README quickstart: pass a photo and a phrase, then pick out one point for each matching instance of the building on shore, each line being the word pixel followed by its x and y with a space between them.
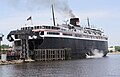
pixel 111 49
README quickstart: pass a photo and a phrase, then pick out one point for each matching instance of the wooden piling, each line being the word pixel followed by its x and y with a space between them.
pixel 52 54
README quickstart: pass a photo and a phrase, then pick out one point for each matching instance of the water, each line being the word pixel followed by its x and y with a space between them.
pixel 98 67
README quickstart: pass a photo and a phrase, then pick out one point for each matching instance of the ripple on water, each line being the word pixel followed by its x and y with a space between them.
pixel 99 67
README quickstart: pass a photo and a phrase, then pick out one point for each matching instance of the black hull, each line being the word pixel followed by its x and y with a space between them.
pixel 79 47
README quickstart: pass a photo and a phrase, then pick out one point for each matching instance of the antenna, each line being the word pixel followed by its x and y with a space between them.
pixel 53 15
pixel 88 22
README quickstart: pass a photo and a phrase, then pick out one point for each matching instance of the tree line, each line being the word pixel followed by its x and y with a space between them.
pixel 117 48
pixel 4 46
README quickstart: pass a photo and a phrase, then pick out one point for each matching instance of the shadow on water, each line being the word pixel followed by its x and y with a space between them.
pixel 98 67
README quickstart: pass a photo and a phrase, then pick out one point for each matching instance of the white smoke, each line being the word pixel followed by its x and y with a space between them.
pixel 96 54
pixel 60 5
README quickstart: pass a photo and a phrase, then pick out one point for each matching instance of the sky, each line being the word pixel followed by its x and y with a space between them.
pixel 103 14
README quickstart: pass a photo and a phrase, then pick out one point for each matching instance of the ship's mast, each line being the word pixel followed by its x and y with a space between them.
pixel 53 14
pixel 88 22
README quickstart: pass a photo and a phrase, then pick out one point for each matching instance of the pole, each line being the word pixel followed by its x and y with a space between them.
pixel 31 21
pixel 53 15
pixel 0 46
pixel 27 47
pixel 88 22
pixel 1 36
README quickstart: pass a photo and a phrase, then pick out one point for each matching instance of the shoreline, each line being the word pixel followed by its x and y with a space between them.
pixel 114 53
pixel 15 61
pixel 10 62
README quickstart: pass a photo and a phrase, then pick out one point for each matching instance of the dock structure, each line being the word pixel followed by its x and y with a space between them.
pixel 52 54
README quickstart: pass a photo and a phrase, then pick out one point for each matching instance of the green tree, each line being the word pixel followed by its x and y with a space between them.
pixel 4 46
pixel 110 51
pixel 117 48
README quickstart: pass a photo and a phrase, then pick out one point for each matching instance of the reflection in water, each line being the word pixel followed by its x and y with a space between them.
pixel 99 67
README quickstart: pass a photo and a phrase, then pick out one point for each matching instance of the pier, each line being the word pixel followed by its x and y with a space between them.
pixel 52 54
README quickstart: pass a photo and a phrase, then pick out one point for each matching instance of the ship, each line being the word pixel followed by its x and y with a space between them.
pixel 78 40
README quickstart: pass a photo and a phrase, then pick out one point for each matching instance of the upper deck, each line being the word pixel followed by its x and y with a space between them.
pixel 71 30
pixel 68 31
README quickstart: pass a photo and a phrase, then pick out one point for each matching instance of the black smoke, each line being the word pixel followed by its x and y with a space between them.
pixel 60 5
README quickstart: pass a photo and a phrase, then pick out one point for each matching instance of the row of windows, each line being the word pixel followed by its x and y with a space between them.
pixel 77 35
pixel 40 27
pixel 27 28
pixel 66 34
pixel 96 37
pixel 53 33
pixel 93 32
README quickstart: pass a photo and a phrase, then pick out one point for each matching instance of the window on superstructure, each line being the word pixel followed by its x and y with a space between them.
pixel 94 33
pixel 106 38
pixel 99 33
pixel 42 27
pixel 42 33
pixel 37 33
pixel 85 31
pixel 17 43
pixel 75 30
pixel 53 33
pixel 89 32
pixel 31 27
pixel 37 27
pixel 52 27
pixel 63 29
pixel 55 28
pixel 78 35
pixel 87 36
pixel 25 28
pixel 67 34
pixel 47 27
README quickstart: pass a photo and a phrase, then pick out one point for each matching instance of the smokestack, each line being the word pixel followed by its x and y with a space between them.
pixel 75 22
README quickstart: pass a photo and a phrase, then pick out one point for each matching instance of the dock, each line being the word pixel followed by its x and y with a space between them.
pixel 52 54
